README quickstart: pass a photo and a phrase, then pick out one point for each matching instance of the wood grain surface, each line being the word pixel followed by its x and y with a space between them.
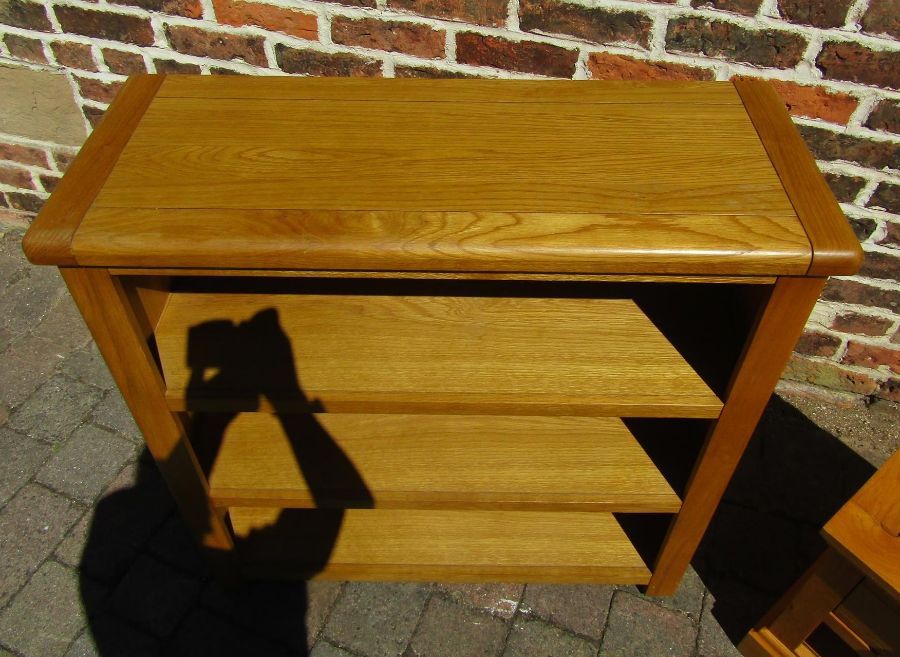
pixel 424 354
pixel 450 546
pixel 434 461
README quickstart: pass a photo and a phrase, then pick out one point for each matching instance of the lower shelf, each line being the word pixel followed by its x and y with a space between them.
pixel 449 546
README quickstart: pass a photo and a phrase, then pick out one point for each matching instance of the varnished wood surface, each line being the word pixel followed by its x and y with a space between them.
pixel 48 240
pixel 454 546
pixel 874 617
pixel 835 248
pixel 428 354
pixel 433 461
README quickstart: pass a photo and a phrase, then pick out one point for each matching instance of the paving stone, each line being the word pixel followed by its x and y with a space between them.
pixel 688 597
pixel 55 409
pixel 531 637
pixel 638 627
pixel 579 608
pixel 112 413
pixel 87 365
pixel 12 260
pixel 713 641
pixel 376 620
pixel 44 618
pixel 86 463
pixel 325 649
pixel 31 524
pixel 205 634
pixel 108 636
pixel 25 303
pixel 154 597
pixel 448 629
pixel 20 457
pixel 27 363
pixel 501 600
pixel 64 325
pixel 174 544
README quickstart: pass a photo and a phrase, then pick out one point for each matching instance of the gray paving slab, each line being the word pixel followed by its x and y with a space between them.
pixel 639 627
pixel 112 413
pixel 578 608
pixel 501 600
pixel 20 458
pixel 27 363
pixel 109 636
pixel 688 597
pixel 87 365
pixel 713 641
pixel 205 634
pixel 325 649
pixel 531 636
pixel 55 409
pixel 448 629
pixel 25 303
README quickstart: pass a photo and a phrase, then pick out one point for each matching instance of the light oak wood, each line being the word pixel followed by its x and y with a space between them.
pixel 509 356
pixel 835 248
pixel 762 643
pixel 872 616
pixel 846 634
pixel 49 238
pixel 453 546
pixel 434 461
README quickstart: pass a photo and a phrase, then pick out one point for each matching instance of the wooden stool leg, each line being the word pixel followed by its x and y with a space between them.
pixel 778 327
pixel 111 319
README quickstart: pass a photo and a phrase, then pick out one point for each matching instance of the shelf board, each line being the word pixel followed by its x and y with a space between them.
pixel 236 350
pixel 432 462
pixel 451 546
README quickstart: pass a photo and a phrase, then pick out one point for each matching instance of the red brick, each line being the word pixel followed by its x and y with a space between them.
pixel 311 62
pixel 105 25
pixel 15 177
pixel 395 36
pixel 63 160
pixel 607 66
pixel 892 235
pixel 882 17
pixel 428 72
pixel 24 155
pixel 828 145
pixel 830 375
pixel 889 389
pixel 886 197
pixel 124 62
pixel 862 227
pixel 74 55
pixel 25 14
pixel 480 12
pixel 216 45
pixel 720 39
pixel 881 265
pixel 525 56
pixel 24 201
pixel 186 8
pixel 813 343
pixel 861 324
pixel 589 23
pixel 745 7
pixel 873 356
pixel 856 63
pixel 3 203
pixel 171 66
pixel 278 19
pixel 352 3
pixel 820 13
pixel 29 50
pixel 885 116
pixel 844 188
pixel 49 182
pixel 93 114
pixel 102 92
pixel 815 102
pixel 848 291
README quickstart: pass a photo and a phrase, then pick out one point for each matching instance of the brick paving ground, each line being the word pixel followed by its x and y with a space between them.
pixel 95 561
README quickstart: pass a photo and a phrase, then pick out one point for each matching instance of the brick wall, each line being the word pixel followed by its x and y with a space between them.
pixel 836 63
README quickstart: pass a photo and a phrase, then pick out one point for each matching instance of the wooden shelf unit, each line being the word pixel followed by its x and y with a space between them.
pixel 369 331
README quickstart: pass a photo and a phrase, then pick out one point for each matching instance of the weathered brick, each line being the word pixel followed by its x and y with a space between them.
pixel 55 410
pixel 105 25
pixel 856 63
pixel 829 374
pixel 496 599
pixel 885 116
pixel 450 629
pixel 870 355
pixel 578 608
pixel 590 23
pixel 882 17
pixel 862 227
pixel 62 159
pixel 171 66
pixel 311 62
pixel 525 56
pixel 820 13
pixel 49 182
pixel 530 636
pixel 278 19
pixel 25 202
pixel 25 48
pixel 124 62
pixel 889 389
pixel 745 7
pixel 102 92
pixel 886 197
pixel 355 3
pixel 626 632
pixel 20 458
pixel 486 12
pixel 93 114
pixel 428 72
pixel 844 188
pixel 607 66
pixel 720 39
pixel 24 155
pixel 891 235
pixel 881 265
pixel 15 177
pixel 216 45
pixel 395 36
pixel 186 8
pixel 815 102
pixel 828 145
pixel 861 324
pixel 74 55
pixel 848 291
pixel 25 14
pixel 813 343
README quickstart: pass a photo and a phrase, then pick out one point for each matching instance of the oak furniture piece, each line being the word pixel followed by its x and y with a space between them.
pixel 850 597
pixel 461 330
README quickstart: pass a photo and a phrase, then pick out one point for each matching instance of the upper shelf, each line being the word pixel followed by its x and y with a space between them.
pixel 447 175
